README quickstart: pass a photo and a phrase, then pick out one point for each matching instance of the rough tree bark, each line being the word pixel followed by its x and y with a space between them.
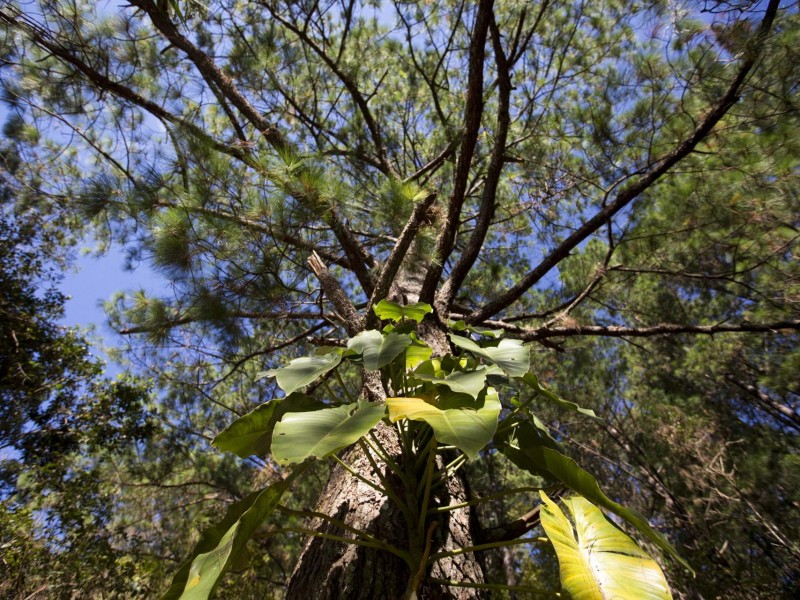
pixel 330 570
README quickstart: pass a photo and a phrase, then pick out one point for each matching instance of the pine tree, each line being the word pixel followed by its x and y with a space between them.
pixel 341 180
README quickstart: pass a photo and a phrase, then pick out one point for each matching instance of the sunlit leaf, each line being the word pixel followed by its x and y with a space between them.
pixel 319 433
pixel 467 428
pixel 486 331
pixel 377 349
pixel 391 311
pixel 598 561
pixel 304 370
pixel 510 355
pixel 251 434
pixel 534 457
pixel 464 382
pixel 416 354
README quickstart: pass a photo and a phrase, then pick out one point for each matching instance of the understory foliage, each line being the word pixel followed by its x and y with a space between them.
pixel 539 256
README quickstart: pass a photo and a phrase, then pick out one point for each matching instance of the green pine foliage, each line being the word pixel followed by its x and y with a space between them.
pixel 225 143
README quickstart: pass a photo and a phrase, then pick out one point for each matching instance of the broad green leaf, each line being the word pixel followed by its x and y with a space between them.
pixel 598 561
pixel 531 380
pixel 320 433
pixel 532 456
pixel 391 311
pixel 467 428
pixel 510 355
pixel 470 382
pixel 251 434
pixel 486 331
pixel 533 432
pixel 459 325
pixel 223 543
pixel 377 349
pixel 304 370
pixel 416 354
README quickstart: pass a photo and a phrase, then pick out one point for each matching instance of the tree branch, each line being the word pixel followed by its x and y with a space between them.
pixel 275 315
pixel 42 38
pixel 349 84
pixel 352 321
pixel 473 109
pixel 630 192
pixel 395 260
pixel 357 255
pixel 621 331
pixel 210 71
pixel 445 297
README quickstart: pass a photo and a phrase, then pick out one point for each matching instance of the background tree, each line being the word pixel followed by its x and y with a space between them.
pixel 62 423
pixel 612 181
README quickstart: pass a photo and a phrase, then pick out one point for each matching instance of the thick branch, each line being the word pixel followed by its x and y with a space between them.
pixel 473 109
pixel 395 260
pixel 514 529
pixel 275 315
pixel 349 84
pixel 291 239
pixel 781 411
pixel 211 72
pixel 542 333
pixel 486 212
pixel 352 321
pixel 435 162
pixel 357 255
pixel 630 192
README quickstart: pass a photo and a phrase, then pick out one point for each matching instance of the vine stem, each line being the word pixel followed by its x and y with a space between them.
pixel 423 563
pixel 480 547
pixel 365 448
pixel 329 389
pixel 344 387
pixel 426 495
pixel 338 538
pixel 381 453
pixel 311 514
pixel 489 498
pixel 451 468
pixel 359 476
pixel 506 422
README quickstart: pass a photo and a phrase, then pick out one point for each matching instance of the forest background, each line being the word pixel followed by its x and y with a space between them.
pixel 614 183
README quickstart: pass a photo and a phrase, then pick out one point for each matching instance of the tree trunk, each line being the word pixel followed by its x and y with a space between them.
pixel 333 570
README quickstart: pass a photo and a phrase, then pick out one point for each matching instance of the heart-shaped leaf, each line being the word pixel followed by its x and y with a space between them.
pixel 468 428
pixel 532 456
pixel 469 382
pixel 320 433
pixel 251 434
pixel 416 354
pixel 377 349
pixel 391 311
pixel 304 370
pixel 596 559
pixel 510 355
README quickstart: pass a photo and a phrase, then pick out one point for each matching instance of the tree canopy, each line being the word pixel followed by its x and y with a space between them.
pixel 455 252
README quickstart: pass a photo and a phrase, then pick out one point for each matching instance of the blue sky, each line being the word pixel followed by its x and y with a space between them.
pixel 95 281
